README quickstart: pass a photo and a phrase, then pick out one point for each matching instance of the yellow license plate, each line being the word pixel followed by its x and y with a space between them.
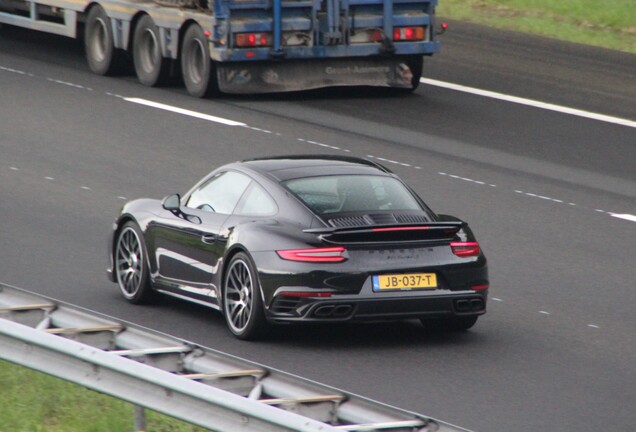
pixel 405 281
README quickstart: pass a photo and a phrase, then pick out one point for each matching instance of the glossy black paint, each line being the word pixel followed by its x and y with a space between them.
pixel 188 250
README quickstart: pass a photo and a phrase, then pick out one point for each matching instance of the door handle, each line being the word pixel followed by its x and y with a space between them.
pixel 208 238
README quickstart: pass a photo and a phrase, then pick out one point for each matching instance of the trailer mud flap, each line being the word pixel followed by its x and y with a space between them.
pixel 266 77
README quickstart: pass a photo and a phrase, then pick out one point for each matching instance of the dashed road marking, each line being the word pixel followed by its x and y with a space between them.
pixel 68 84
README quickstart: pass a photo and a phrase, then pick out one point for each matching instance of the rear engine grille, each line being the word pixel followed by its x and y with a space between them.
pixel 351 221
pixel 409 219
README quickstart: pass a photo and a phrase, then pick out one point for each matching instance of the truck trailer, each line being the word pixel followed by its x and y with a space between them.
pixel 244 46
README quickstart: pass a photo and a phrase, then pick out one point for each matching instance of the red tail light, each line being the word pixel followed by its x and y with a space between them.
pixel 247 40
pixel 465 249
pixel 408 33
pixel 330 254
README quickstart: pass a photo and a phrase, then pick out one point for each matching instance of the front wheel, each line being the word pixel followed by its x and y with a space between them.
pixel 131 265
pixel 242 303
pixel 199 72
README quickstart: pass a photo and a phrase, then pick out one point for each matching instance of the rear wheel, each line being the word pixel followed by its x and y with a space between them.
pixel 131 265
pixel 416 65
pixel 151 67
pixel 199 72
pixel 242 303
pixel 101 55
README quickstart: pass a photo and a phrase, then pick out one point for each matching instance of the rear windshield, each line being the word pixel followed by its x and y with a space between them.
pixel 352 193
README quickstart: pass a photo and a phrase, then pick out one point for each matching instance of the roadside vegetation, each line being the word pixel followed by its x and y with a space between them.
pixel 31 401
pixel 609 23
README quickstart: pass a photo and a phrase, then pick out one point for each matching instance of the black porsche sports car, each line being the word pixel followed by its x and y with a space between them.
pixel 301 239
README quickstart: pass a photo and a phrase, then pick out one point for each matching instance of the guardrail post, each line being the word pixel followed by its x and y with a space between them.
pixel 140 419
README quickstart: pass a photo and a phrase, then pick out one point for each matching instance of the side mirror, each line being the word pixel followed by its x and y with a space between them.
pixel 172 203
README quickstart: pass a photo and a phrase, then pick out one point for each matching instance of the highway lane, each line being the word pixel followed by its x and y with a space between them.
pixel 555 349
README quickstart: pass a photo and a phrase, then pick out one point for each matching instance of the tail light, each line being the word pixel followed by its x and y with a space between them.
pixel 465 249
pixel 330 254
pixel 408 33
pixel 251 40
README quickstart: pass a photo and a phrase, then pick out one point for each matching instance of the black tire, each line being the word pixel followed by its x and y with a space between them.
pixel 242 303
pixel 151 67
pixel 101 55
pixel 131 265
pixel 416 65
pixel 197 68
pixel 453 324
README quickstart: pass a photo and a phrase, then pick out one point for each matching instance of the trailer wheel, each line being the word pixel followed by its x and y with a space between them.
pixel 199 72
pixel 101 55
pixel 151 67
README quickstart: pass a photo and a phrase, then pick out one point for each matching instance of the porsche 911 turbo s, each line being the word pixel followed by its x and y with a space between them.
pixel 296 239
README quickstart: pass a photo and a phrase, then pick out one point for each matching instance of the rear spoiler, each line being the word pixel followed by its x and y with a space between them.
pixel 400 233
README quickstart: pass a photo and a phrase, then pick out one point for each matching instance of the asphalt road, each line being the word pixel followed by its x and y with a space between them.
pixel 541 189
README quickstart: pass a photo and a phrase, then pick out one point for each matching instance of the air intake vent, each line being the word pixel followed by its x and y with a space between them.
pixel 411 219
pixel 383 219
pixel 346 222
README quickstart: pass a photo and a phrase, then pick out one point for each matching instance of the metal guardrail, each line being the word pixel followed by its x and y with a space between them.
pixel 198 385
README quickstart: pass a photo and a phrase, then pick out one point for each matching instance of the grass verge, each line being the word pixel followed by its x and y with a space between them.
pixel 31 401
pixel 608 24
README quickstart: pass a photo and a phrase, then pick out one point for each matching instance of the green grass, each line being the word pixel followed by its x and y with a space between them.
pixel 35 402
pixel 608 23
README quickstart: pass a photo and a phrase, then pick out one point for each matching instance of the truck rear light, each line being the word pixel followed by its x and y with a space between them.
pixel 250 40
pixel 329 254
pixel 465 249
pixel 408 33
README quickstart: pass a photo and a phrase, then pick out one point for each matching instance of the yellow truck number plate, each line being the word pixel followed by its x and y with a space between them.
pixel 405 281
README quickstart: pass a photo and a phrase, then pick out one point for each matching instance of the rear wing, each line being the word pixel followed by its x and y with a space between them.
pixel 433 232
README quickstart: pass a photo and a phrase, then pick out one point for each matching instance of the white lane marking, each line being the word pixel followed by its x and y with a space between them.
pixel 185 112
pixel 390 161
pixel 86 188
pixel 14 169
pixel 15 71
pixel 122 198
pixel 544 312
pixel 456 177
pixel 530 102
pixel 625 216
pixel 543 197
pixel 49 178
pixel 68 84
pixel 497 299
pixel 322 145
pixel 593 326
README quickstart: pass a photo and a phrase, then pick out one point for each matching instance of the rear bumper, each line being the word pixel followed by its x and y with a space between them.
pixel 295 75
pixel 377 309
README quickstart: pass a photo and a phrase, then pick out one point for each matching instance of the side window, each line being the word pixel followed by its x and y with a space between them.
pixel 256 202
pixel 220 194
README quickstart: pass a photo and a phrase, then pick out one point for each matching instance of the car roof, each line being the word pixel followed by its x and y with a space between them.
pixel 297 166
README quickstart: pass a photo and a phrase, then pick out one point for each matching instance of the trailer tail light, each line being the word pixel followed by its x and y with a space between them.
pixel 330 254
pixel 465 249
pixel 408 33
pixel 251 40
